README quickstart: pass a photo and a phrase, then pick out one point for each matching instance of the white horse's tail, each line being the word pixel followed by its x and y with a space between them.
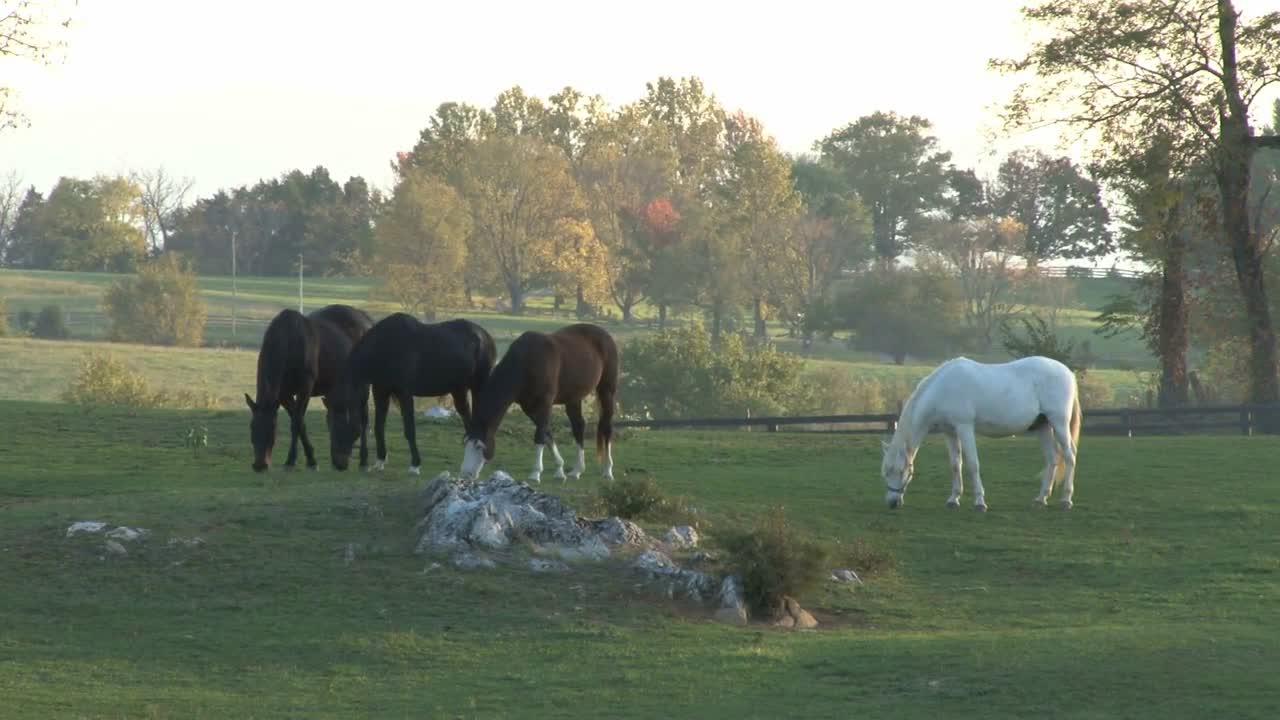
pixel 1077 415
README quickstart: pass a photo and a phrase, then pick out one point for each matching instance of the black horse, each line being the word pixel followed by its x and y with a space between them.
pixel 301 357
pixel 538 371
pixel 403 358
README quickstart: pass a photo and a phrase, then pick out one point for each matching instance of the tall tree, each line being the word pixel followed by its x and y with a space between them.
pixel 83 225
pixel 894 165
pixel 163 198
pixel 980 252
pixel 421 242
pixel 11 195
pixel 1118 68
pixel 523 197
pixel 1059 209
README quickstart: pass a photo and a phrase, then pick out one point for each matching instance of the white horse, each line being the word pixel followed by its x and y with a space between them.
pixel 962 398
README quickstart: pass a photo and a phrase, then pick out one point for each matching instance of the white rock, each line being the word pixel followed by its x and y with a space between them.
pixel 730 594
pixel 471 561
pixel 85 526
pixel 846 576
pixel 116 548
pixel 128 534
pixel 681 537
pixel 437 412
pixel 186 542
pixel 541 565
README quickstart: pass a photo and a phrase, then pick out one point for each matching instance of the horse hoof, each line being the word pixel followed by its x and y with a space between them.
pixel 380 466
pixel 980 508
pixel 313 468
pixel 535 478
pixel 415 470
pixel 953 504
pixel 575 476
pixel 1067 504
pixel 562 477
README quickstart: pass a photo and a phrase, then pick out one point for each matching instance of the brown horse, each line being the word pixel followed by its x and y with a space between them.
pixel 301 358
pixel 538 371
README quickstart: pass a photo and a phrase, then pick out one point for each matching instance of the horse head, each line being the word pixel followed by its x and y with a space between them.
pixel 262 431
pixel 478 448
pixel 346 421
pixel 896 469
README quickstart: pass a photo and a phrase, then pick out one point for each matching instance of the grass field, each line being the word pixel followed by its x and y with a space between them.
pixel 1153 598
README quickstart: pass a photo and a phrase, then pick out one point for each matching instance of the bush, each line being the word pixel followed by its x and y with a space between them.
pixel 1039 339
pixel 26 319
pixel 50 324
pixel 1096 392
pixel 631 497
pixel 774 560
pixel 900 312
pixel 160 306
pixel 4 318
pixel 104 380
pixel 678 373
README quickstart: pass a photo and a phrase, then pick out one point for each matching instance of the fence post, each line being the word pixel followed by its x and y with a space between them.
pixel 1246 420
pixel 1128 422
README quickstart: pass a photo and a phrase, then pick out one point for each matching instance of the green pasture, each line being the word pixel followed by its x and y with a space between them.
pixel 1154 597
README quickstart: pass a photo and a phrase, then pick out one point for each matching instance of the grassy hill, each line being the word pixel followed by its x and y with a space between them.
pixel 1148 600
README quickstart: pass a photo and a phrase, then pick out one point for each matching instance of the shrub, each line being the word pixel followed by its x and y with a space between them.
pixel 4 318
pixel 1096 392
pixel 774 560
pixel 50 324
pixel 1225 371
pixel 1039 339
pixel 105 380
pixel 160 306
pixel 632 497
pixel 26 319
pixel 678 373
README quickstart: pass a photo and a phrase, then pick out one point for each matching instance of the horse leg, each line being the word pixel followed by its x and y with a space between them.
pixel 555 453
pixel 604 429
pixel 300 409
pixel 957 470
pixel 1050 450
pixel 463 408
pixel 579 427
pixel 292 460
pixel 541 417
pixel 969 449
pixel 381 403
pixel 410 431
pixel 1060 429
pixel 364 436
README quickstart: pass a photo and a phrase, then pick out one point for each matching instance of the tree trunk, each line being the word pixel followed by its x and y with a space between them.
pixel 1173 340
pixel 1235 151
pixel 466 290
pixel 583 309
pixel 557 302
pixel 761 329
pixel 662 317
pixel 517 299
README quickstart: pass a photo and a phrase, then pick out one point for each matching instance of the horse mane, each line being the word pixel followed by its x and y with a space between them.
pixel 274 355
pixel 500 388
pixel 907 414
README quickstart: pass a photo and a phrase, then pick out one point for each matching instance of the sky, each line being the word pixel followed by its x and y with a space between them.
pixel 235 91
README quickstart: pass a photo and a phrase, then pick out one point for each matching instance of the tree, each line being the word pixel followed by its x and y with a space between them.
pixel 895 167
pixel 160 306
pixel 1118 68
pixel 899 311
pixel 421 242
pixel 163 198
pixel 28 29
pixel 980 252
pixel 523 200
pixel 1059 210
pixel 83 225
pixel 760 209
pixel 10 199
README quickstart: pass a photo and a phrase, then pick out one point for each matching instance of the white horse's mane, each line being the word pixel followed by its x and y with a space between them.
pixel 902 432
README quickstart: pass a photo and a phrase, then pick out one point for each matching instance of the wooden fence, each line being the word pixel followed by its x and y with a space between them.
pixel 1078 271
pixel 1208 419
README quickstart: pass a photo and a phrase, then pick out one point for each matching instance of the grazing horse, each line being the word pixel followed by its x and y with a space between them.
pixel 403 358
pixel 962 398
pixel 538 371
pixel 301 358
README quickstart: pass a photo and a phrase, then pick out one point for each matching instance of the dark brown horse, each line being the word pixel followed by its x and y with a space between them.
pixel 403 358
pixel 301 358
pixel 541 370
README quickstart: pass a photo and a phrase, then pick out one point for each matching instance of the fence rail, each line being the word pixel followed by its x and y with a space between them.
pixel 1208 419
pixel 1079 271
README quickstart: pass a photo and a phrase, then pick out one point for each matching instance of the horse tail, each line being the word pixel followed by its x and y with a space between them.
pixel 607 395
pixel 1077 416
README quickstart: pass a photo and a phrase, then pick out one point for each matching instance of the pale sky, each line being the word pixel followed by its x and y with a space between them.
pixel 234 91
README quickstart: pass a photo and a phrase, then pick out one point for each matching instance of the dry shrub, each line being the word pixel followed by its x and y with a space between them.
pixel 104 380
pixel 1095 392
pixel 774 560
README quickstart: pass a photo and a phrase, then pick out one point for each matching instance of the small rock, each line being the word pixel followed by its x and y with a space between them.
pixel 681 537
pixel 116 548
pixel 128 534
pixel 186 542
pixel 437 413
pixel 616 531
pixel 541 565
pixel 785 621
pixel 85 526
pixel 652 561
pixel 349 554
pixel 730 593
pixel 795 616
pixel 431 568
pixel 732 616
pixel 846 576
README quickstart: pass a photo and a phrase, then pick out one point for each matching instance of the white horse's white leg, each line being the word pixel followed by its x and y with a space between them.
pixel 608 461
pixel 1050 449
pixel 1069 459
pixel 580 465
pixel 536 475
pixel 969 448
pixel 555 453
pixel 957 470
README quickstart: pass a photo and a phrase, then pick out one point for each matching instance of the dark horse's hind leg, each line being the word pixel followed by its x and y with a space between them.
pixel 364 436
pixel 410 431
pixel 297 410
pixel 604 429
pixel 579 426
pixel 381 403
